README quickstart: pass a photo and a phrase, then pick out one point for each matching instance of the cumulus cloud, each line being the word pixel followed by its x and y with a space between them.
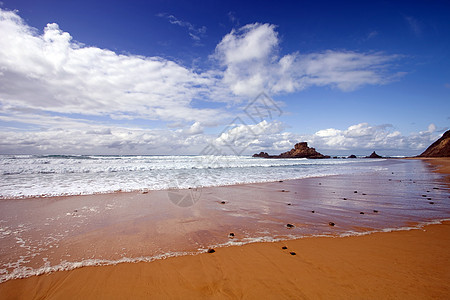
pixel 359 138
pixel 250 56
pixel 71 98
pixel 53 73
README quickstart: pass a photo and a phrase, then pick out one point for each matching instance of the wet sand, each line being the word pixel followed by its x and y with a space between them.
pixel 412 264
pixel 398 265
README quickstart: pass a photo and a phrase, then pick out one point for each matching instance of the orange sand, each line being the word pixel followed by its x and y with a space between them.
pixel 402 265
pixel 405 265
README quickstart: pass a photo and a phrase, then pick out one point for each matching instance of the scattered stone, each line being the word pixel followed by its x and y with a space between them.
pixel 344 198
pixel 390 179
pixel 289 204
pixel 392 172
pixel 283 191
pixel 375 211
pixel 292 253
pixel 361 213
pixel 428 198
pixel 355 192
pixel 320 183
pixel 231 235
pixel 424 195
pixel 76 210
pixel 331 224
pixel 352 156
pixel 313 211
pixel 223 202
pixel 289 226
pixel 364 194
pixel 431 202
pixel 144 192
pixel 280 181
pixel 284 247
pixel 435 188
pixel 428 191
pixel 211 250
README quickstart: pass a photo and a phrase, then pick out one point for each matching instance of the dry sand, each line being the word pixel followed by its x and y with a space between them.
pixel 411 264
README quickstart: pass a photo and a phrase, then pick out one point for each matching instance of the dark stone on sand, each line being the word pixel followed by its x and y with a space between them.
pixel 344 198
pixel 390 179
pixel 435 188
pixel 374 155
pixel 375 211
pixel 211 250
pixel 292 253
pixel 300 150
pixel 280 181
pixel 231 235
pixel 284 247
pixel 223 202
pixel 355 192
pixel 361 213
pixel 320 183
pixel 283 191
pixel 289 204
pixel 440 148
pixel 424 195
pixel 313 211
pixel 289 226
pixel 352 156
pixel 331 224
pixel 76 210
pixel 431 202
pixel 363 194
pixel 144 192
pixel 428 191
pixel 428 198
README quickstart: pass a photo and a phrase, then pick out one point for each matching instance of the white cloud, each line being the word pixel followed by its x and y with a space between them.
pixel 359 138
pixel 196 33
pixel 46 79
pixel 51 72
pixel 250 56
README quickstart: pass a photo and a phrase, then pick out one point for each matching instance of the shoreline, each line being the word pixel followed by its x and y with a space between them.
pixel 52 280
pixel 412 264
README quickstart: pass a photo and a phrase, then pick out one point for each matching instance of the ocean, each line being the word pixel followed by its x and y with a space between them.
pixel 24 176
pixel 63 212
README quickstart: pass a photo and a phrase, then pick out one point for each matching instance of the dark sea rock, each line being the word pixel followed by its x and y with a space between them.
pixel 300 150
pixel 440 148
pixel 374 155
pixel 352 156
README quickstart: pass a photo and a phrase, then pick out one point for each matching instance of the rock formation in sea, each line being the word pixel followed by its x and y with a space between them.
pixel 374 155
pixel 300 150
pixel 440 148
pixel 352 156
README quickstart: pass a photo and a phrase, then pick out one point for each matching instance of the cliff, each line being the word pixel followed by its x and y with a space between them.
pixel 440 148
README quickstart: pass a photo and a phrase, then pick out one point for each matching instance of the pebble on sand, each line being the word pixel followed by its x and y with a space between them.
pixel 211 250
pixel 331 224
pixel 361 213
pixel 284 247
pixel 375 211
pixel 231 235
pixel 292 253
pixel 289 225
pixel 223 202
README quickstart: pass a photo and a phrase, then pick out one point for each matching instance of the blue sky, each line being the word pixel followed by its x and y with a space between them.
pixel 172 77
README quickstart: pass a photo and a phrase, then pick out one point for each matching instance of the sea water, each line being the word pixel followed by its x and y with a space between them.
pixel 23 176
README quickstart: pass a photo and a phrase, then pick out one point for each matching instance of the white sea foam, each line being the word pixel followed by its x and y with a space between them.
pixel 24 272
pixel 40 176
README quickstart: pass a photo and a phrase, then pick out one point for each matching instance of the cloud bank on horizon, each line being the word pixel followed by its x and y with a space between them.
pixel 58 95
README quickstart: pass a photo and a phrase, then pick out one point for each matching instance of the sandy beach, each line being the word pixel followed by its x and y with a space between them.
pixel 411 264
